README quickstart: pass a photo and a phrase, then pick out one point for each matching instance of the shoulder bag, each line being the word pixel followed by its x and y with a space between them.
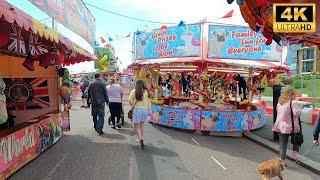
pixel 131 111
pixel 296 138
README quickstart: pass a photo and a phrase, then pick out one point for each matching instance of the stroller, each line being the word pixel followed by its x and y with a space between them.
pixel 121 117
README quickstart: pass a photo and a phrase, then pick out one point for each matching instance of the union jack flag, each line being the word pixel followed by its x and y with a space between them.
pixel 16 41
pixel 37 96
pixel 35 46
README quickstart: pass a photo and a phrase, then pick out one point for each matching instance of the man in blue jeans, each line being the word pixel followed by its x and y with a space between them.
pixel 316 131
pixel 97 96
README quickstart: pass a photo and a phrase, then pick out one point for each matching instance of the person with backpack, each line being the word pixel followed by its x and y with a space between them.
pixel 140 106
pixel 84 85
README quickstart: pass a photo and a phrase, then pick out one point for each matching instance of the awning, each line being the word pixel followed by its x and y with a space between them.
pixel 212 62
pixel 14 21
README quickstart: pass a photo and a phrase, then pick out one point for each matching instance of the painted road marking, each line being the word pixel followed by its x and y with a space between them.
pixel 218 163
pixel 195 142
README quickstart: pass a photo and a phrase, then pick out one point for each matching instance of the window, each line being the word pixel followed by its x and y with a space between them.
pixel 308 54
pixel 307 66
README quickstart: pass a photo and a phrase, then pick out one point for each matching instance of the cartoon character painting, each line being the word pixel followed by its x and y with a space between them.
pixel 256 120
pixel 191 46
pixel 216 44
pixel 209 121
pixel 271 55
pixel 188 123
pixel 141 43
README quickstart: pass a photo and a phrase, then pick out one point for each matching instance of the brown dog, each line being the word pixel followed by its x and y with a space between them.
pixel 271 168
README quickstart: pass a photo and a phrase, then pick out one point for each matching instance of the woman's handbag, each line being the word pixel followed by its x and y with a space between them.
pixel 131 111
pixel 296 138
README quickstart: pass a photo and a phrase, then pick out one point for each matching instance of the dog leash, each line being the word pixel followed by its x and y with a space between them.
pixel 302 156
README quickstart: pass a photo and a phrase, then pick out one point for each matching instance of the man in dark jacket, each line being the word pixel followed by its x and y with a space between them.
pixel 97 95
pixel 316 131
pixel 84 84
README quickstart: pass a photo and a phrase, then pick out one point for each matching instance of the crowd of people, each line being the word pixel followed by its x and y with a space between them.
pixel 96 94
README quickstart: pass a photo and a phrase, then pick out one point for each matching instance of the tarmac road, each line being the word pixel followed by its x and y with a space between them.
pixel 82 154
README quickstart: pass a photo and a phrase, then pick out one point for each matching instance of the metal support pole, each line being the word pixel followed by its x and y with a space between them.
pixel 314 90
pixel 52 24
pixel 301 84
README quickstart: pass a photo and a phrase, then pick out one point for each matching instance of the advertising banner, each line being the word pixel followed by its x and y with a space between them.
pixel 232 120
pixel 73 14
pixel 233 42
pixel 176 117
pixel 19 148
pixel 27 93
pixel 49 131
pixel 180 41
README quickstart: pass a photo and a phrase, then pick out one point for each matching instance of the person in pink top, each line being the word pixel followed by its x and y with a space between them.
pixel 283 124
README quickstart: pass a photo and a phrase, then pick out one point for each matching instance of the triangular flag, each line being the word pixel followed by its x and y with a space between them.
pixel 110 39
pixel 228 15
pixel 103 40
pixel 182 23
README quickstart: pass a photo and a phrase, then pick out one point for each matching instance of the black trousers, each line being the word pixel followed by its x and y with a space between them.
pixel 115 111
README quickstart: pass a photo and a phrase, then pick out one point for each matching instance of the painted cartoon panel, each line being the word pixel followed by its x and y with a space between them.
pixel 232 121
pixel 257 119
pixel 235 42
pixel 176 117
pixel 181 41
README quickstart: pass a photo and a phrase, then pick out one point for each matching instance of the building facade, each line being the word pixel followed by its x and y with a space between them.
pixel 308 60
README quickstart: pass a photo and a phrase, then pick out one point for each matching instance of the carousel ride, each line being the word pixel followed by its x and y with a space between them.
pixel 206 96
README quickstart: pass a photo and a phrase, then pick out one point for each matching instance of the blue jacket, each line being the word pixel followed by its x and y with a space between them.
pixel 316 128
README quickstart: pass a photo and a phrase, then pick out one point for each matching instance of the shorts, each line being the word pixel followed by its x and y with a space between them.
pixel 139 115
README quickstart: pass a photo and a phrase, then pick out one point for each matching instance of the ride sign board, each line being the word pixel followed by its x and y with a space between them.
pixel 168 42
pixel 73 14
pixel 233 42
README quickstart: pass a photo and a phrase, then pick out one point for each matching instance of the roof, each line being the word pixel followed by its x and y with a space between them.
pixel 12 14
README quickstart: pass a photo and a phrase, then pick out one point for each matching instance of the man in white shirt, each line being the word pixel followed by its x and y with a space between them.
pixel 115 94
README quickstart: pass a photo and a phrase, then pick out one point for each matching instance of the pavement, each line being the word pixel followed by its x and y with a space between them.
pixel 169 154
pixel 311 154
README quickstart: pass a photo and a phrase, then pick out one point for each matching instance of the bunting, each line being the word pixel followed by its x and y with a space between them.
pixel 228 15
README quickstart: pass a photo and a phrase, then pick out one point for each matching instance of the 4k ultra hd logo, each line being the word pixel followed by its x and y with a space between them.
pixel 294 18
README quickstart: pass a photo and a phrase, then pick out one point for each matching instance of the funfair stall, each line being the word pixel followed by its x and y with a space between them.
pixel 32 83
pixel 259 16
pixel 205 85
